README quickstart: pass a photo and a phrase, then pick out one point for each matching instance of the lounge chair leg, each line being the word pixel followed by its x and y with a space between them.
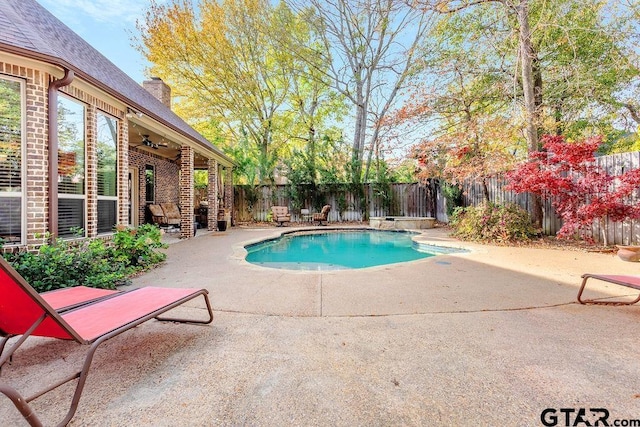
pixel 3 345
pixel 180 320
pixel 601 302
pixel 21 404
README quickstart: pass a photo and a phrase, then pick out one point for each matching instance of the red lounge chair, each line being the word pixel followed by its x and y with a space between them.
pixel 87 316
pixel 628 281
pixel 68 298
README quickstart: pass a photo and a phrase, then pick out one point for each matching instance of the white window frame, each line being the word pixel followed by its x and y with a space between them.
pixel 109 198
pixel 78 196
pixel 23 154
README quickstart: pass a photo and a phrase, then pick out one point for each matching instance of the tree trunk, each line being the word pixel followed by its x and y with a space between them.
pixel 358 144
pixel 485 190
pixel 528 89
pixel 603 230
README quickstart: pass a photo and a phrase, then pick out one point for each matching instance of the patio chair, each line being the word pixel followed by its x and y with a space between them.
pixel 87 316
pixel 68 298
pixel 627 281
pixel 157 215
pixel 323 215
pixel 172 213
pixel 280 214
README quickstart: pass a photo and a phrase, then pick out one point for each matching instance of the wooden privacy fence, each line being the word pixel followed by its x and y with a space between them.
pixel 253 203
pixel 420 200
pixel 620 233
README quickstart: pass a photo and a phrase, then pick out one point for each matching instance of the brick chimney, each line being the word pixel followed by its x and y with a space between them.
pixel 158 89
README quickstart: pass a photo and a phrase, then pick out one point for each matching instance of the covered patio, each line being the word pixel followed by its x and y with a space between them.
pixel 162 166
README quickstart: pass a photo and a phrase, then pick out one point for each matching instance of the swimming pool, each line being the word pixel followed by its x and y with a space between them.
pixel 337 250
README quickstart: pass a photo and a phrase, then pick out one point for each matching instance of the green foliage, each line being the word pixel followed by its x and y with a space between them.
pixel 620 144
pixel 139 246
pixel 200 179
pixel 342 203
pixel 65 263
pixel 492 223
pixel 453 195
pixel 62 264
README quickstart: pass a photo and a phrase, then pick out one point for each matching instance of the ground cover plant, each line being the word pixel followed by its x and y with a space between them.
pixel 95 263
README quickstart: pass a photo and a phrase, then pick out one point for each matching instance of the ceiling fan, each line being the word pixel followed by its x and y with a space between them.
pixel 146 141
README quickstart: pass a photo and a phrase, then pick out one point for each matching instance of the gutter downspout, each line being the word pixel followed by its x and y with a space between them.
pixel 54 85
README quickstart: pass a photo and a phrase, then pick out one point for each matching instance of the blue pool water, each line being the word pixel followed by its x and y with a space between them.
pixel 337 250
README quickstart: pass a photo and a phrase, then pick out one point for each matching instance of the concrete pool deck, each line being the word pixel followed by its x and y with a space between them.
pixel 490 337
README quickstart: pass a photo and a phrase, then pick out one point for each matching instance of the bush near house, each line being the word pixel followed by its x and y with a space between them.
pixel 93 263
pixel 492 223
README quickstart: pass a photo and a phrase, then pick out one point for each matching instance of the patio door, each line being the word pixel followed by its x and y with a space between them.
pixel 134 199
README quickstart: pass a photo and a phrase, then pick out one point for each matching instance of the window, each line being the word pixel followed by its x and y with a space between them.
pixel 150 183
pixel 107 142
pixel 11 160
pixel 71 167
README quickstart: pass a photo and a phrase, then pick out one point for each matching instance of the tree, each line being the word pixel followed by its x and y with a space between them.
pixel 475 153
pixel 580 191
pixel 232 71
pixel 370 45
pixel 311 105
pixel 222 63
pixel 561 61
pixel 469 136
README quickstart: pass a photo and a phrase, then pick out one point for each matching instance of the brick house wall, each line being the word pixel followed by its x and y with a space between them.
pixel 36 154
pixel 167 179
pixel 35 137
pixel 186 193
pixel 93 106
pixel 37 150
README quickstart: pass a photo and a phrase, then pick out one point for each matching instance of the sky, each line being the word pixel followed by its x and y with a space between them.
pixel 108 26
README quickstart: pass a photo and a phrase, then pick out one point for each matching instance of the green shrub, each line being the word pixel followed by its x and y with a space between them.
pixel 138 246
pixel 453 195
pixel 93 263
pixel 63 264
pixel 492 223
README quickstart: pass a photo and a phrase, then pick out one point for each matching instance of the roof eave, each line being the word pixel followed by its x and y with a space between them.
pixel 58 62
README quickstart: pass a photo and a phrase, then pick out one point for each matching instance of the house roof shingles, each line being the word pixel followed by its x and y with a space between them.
pixel 28 28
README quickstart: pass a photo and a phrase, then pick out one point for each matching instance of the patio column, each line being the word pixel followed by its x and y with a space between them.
pixel 91 178
pixel 212 195
pixel 228 192
pixel 123 172
pixel 186 192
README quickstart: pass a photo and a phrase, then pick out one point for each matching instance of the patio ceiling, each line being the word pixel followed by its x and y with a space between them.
pixel 148 141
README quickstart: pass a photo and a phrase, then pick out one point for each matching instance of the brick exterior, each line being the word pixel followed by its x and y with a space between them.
pixel 186 194
pixel 174 180
pixel 91 120
pixel 123 172
pixel 159 90
pixel 36 147
pixel 212 194
pixel 93 106
pixel 228 192
pixel 167 175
